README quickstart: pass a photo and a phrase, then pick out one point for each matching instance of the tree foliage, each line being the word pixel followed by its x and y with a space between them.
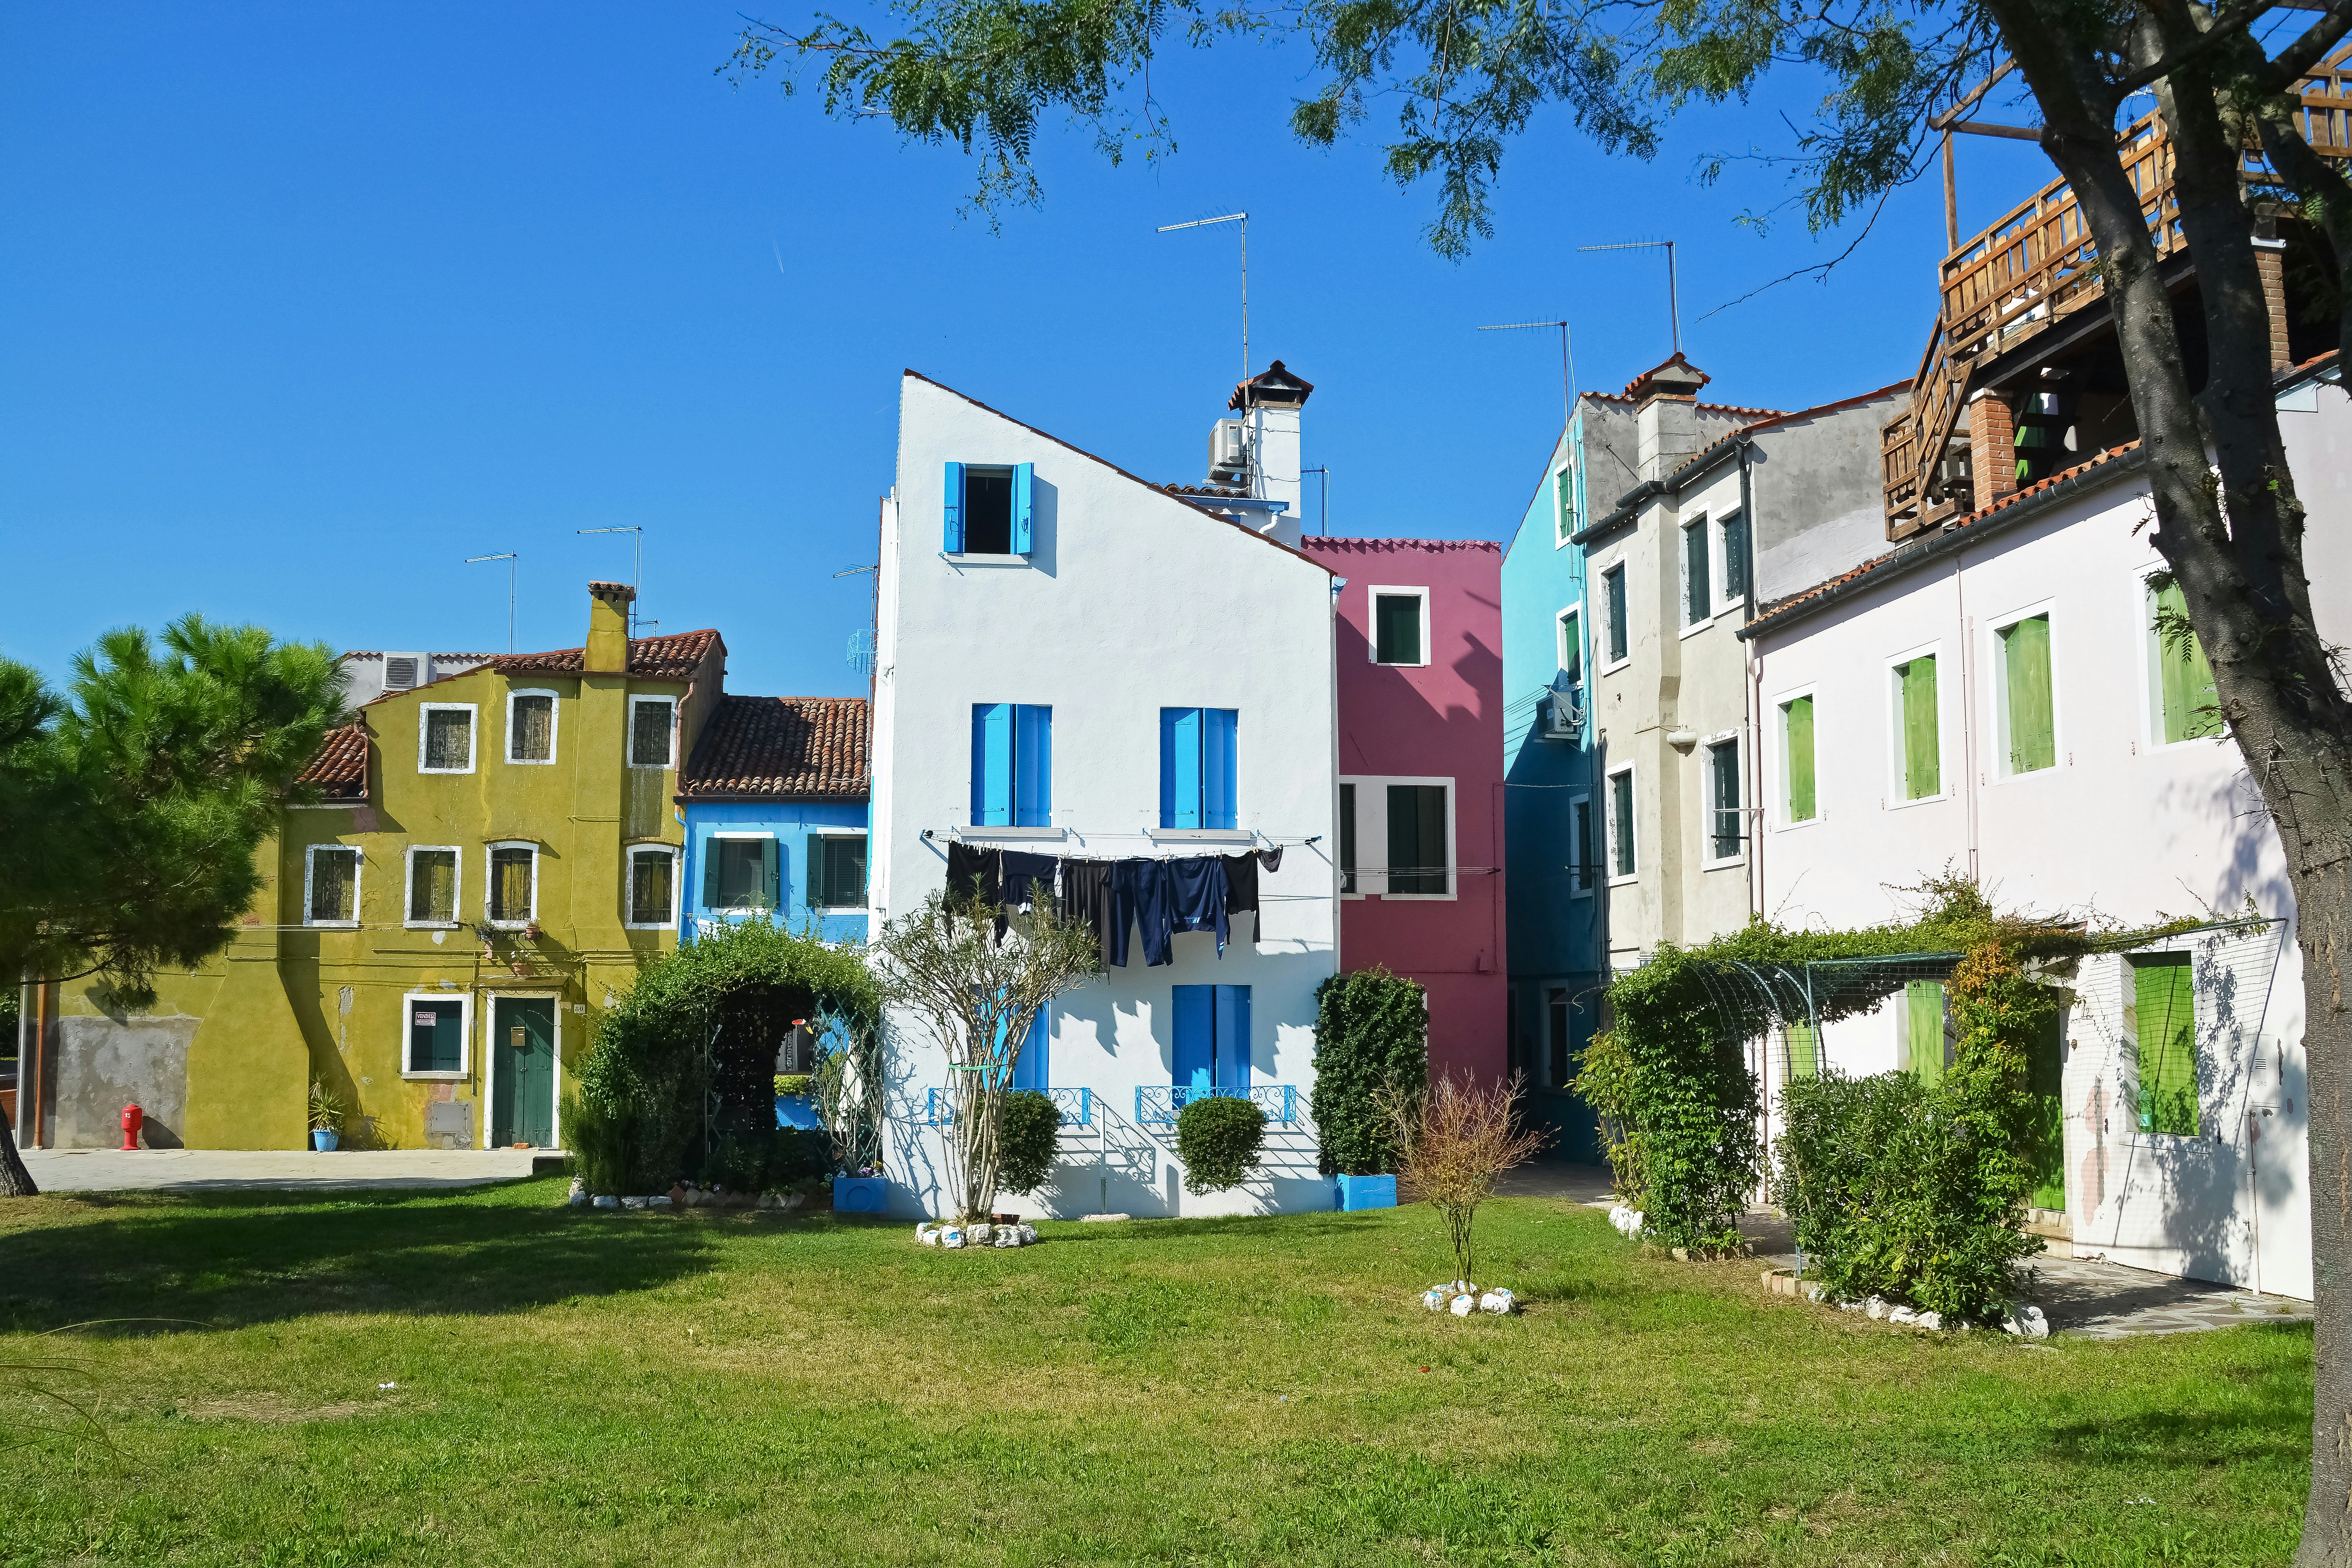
pixel 1371 1033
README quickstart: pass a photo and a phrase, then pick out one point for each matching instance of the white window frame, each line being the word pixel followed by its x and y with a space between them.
pixel 1603 664
pixel 465 1000
pixel 809 858
pixel 1372 625
pixel 457 888
pixel 490 1079
pixel 1682 573
pixel 1891 685
pixel 1782 821
pixel 1609 876
pixel 1568 628
pixel 677 853
pixel 554 727
pixel 473 734
pixel 1705 751
pixel 1997 695
pixel 2151 699
pixel 1725 599
pixel 1372 827
pixel 489 881
pixel 1584 880
pixel 630 740
pixel 784 888
pixel 359 873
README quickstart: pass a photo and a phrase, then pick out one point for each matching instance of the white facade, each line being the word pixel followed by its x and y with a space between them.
pixel 1128 601
pixel 2124 827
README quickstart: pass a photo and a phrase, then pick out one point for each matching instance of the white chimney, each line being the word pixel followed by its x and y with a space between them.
pixel 1269 405
pixel 1665 416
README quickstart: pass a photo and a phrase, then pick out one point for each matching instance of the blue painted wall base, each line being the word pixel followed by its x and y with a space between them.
pixel 1367 1192
pixel 861 1195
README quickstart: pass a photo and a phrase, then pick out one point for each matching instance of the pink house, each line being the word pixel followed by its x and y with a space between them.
pixel 1421 779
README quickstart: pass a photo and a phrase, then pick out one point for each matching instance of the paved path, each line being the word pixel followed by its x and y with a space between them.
pixel 270 1170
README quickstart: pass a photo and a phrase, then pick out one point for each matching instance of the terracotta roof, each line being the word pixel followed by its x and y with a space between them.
pixel 339 768
pixel 1277 377
pixel 650 658
pixel 1795 604
pixel 781 748
pixel 435 658
pixel 1214 492
pixel 1711 407
pixel 1434 546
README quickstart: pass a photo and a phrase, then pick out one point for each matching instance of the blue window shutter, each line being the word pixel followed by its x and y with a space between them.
pixel 1030 1069
pixel 1025 508
pixel 953 543
pixel 1032 767
pixel 991 764
pixel 1168 719
pixel 1219 727
pixel 1184 743
pixel 1233 1064
pixel 1193 1059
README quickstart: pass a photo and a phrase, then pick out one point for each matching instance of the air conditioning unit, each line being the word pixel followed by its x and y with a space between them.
pixel 1228 453
pixel 1563 717
pixel 403 670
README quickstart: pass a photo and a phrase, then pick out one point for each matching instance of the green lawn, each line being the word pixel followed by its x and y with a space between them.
pixel 578 1388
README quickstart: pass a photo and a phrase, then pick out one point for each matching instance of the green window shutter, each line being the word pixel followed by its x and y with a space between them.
pixel 1922 764
pixel 1696 598
pixel 2184 676
pixel 1797 735
pixel 1612 587
pixel 1564 492
pixel 2164 1000
pixel 2032 729
pixel 1621 823
pixel 1924 1003
pixel 772 874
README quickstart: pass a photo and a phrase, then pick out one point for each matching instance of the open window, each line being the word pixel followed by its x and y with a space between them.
pixel 1347 839
pixel 1410 823
pixel 444 738
pixel 436 1029
pixel 653 732
pixel 510 899
pixel 990 510
pixel 653 886
pixel 531 727
pixel 330 885
pixel 432 894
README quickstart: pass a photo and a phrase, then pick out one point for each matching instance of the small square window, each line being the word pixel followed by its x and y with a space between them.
pixel 841 871
pixel 651 730
pixel 436 1027
pixel 513 895
pixel 653 879
pixel 1400 625
pixel 531 727
pixel 447 740
pixel 432 887
pixel 332 896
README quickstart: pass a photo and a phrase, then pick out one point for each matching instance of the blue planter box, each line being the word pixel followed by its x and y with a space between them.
pixel 323 1139
pixel 1367 1192
pixel 861 1195
pixel 797 1110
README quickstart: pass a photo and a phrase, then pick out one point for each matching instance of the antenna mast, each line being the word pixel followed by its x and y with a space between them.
pixel 1243 219
pixel 1674 301
pixel 636 569
pixel 1567 363
pixel 510 557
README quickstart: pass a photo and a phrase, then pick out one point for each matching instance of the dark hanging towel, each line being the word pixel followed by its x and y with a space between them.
pixel 1023 873
pixel 1143 895
pixel 971 871
pixel 1271 858
pixel 1200 885
pixel 1240 889
pixel 1086 901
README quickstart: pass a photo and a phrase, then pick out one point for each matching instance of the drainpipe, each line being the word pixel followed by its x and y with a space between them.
pixel 1755 692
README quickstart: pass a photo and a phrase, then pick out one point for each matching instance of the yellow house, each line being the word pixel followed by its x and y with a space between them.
pixel 494 855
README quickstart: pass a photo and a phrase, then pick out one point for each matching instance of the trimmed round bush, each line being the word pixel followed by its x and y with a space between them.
pixel 1028 1136
pixel 1218 1140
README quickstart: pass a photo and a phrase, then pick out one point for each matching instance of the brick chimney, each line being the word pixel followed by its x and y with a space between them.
pixel 1665 415
pixel 1992 446
pixel 608 628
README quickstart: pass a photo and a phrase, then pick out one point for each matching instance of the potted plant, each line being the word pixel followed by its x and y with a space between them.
pixel 795 1104
pixel 326 1118
pixel 865 1190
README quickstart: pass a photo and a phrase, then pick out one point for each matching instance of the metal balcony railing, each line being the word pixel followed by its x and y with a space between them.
pixel 1156 1105
pixel 1077 1107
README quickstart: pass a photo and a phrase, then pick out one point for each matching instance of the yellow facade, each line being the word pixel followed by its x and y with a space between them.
pixel 294 1000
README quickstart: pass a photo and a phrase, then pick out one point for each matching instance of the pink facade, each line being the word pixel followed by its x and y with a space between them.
pixel 1421 769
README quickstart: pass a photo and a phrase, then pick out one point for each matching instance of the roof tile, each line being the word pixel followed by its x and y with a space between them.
pixel 339 767
pixel 782 748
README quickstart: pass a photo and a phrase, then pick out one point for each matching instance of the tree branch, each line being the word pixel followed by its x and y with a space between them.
pixel 2307 51
pixel 2210 38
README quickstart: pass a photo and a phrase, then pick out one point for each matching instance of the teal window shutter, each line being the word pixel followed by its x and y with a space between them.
pixel 1179 767
pixel 1025 508
pixel 953 544
pixel 1032 767
pixel 991 764
pixel 1193 1060
pixel 1219 729
pixel 772 874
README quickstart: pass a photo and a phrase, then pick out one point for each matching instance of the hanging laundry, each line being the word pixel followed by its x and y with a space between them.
pixel 1241 891
pixel 1199 881
pixel 973 872
pixel 1023 873
pixel 1086 901
pixel 1143 895
pixel 1271 860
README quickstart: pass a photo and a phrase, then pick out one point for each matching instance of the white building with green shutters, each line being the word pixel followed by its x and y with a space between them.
pixel 1994 699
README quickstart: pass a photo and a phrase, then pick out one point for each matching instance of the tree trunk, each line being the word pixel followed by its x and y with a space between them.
pixel 15 1182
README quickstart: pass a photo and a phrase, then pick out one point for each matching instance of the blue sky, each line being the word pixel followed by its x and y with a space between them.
pixel 301 305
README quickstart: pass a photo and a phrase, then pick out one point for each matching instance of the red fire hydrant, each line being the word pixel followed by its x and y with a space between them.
pixel 132 1120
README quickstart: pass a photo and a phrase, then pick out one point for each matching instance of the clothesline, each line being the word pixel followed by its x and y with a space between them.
pixel 983 836
pixel 1161 895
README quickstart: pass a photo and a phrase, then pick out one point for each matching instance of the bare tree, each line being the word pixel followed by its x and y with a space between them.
pixel 978 993
pixel 1457 1137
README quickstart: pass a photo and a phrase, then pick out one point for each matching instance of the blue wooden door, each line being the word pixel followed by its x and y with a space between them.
pixel 1213 1033
pixel 1232 1062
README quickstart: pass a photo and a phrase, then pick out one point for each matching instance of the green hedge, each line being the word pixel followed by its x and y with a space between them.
pixel 1218 1140
pixel 1028 1136
pixel 1371 1031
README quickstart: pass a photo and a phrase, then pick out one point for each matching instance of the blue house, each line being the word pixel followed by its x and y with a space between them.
pixel 775 802
pixel 1554 912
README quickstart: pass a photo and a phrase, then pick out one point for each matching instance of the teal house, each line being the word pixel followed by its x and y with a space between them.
pixel 775 804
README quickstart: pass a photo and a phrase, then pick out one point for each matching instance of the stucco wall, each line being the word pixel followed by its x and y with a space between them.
pixel 106 1063
pixel 796 824
pixel 1131 600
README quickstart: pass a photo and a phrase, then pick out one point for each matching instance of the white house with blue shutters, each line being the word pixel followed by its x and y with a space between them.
pixel 1073 662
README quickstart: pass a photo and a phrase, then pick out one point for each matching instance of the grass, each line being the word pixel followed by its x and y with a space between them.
pixel 577 1388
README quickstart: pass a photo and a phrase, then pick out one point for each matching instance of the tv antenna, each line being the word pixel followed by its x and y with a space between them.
pixel 1243 219
pixel 1567 363
pixel 1673 304
pixel 636 566
pixel 510 557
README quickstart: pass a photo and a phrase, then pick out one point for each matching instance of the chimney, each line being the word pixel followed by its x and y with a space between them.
pixel 1665 415
pixel 608 628
pixel 1269 405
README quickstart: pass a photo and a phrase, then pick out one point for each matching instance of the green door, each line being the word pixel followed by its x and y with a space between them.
pixel 522 1060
